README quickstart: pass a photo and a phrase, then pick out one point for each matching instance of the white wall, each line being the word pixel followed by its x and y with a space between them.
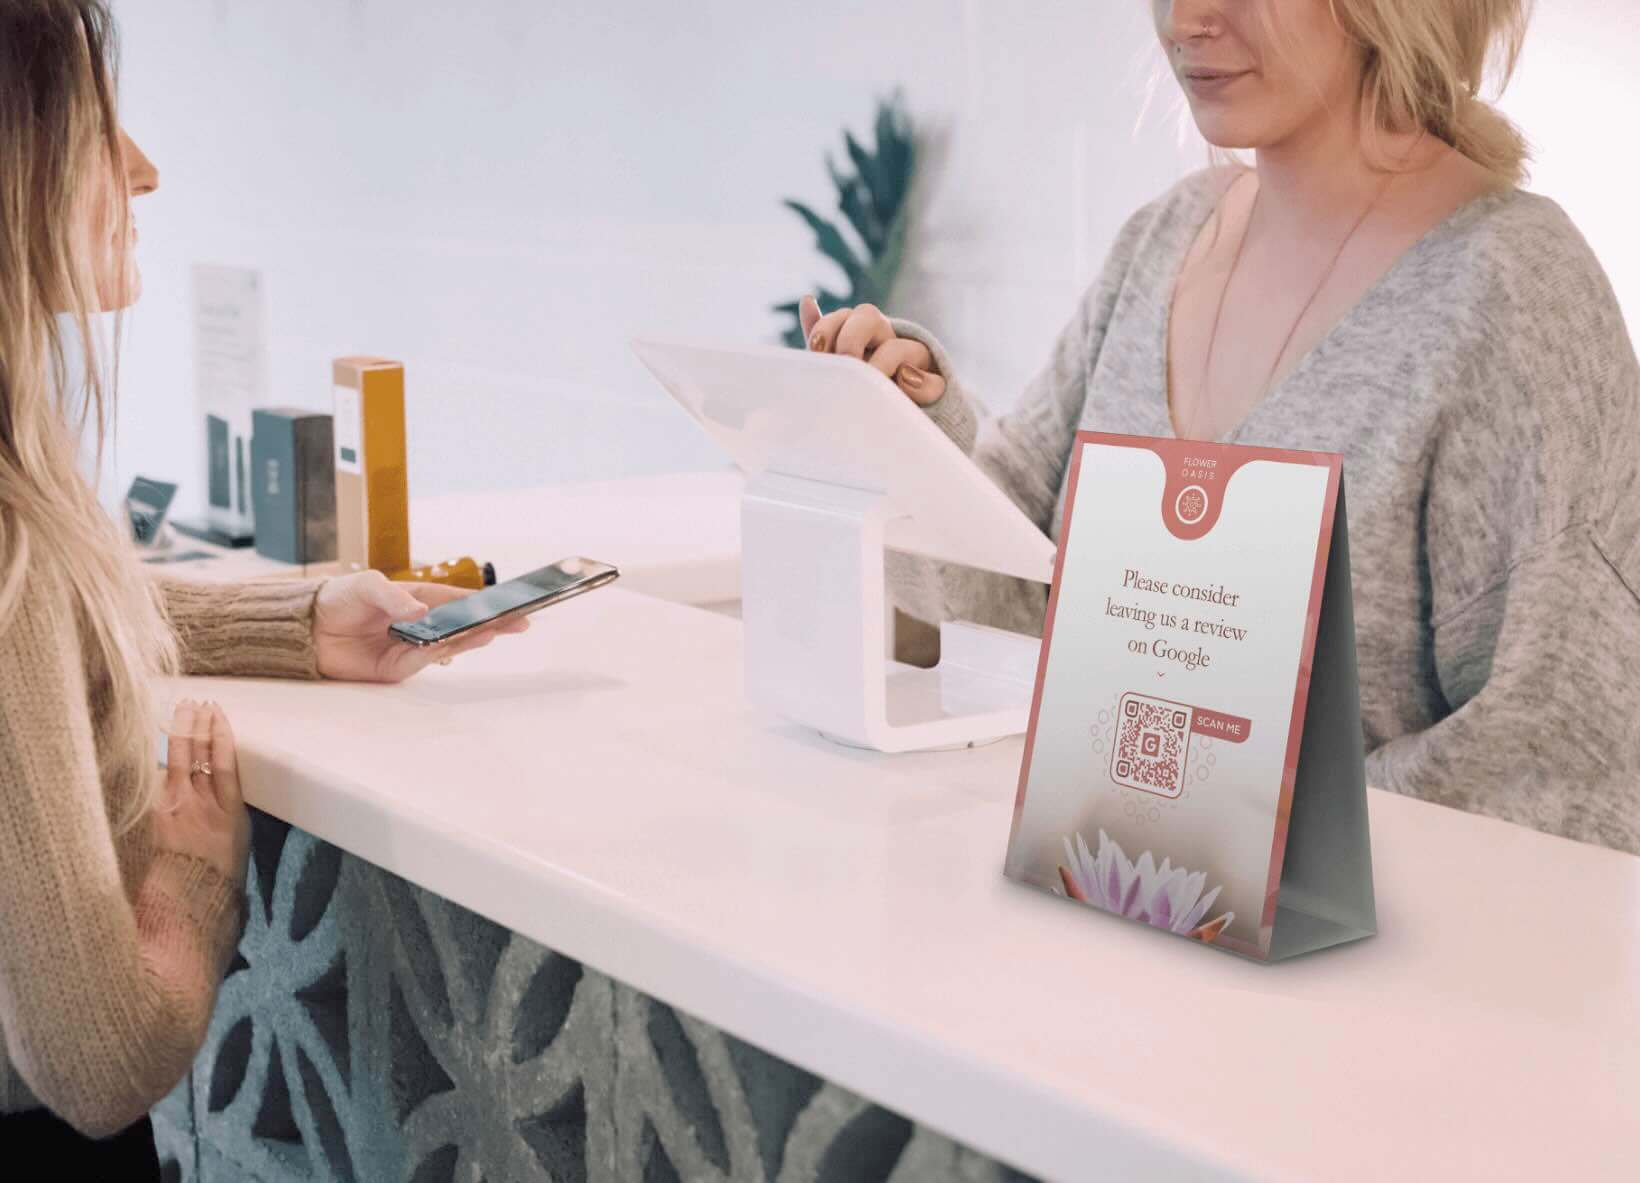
pixel 502 192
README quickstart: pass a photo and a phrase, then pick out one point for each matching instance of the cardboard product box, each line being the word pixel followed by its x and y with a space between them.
pixel 293 485
pixel 372 490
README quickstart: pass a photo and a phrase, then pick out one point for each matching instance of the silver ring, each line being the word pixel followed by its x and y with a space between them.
pixel 201 768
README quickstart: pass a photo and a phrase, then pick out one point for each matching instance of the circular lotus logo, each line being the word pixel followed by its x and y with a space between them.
pixel 1191 505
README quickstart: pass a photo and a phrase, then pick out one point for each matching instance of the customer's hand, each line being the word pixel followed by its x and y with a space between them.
pixel 350 619
pixel 864 332
pixel 201 811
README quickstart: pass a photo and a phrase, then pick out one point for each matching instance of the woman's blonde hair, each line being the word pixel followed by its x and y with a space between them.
pixel 1427 65
pixel 61 172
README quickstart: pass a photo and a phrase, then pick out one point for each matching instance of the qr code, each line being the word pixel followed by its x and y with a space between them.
pixel 1152 745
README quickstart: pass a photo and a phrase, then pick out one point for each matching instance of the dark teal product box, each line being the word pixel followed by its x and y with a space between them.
pixel 293 485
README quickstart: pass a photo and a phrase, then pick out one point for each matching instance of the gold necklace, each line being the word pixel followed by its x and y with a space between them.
pixel 1202 393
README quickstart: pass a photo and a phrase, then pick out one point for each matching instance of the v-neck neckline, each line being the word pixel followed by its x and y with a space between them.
pixel 1374 292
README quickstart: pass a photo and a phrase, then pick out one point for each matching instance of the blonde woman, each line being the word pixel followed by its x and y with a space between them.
pixel 1377 285
pixel 120 889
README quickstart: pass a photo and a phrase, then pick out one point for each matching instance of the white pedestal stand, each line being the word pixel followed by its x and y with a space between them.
pixel 814 606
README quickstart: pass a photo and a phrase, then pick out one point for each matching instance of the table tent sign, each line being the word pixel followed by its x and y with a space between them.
pixel 1194 759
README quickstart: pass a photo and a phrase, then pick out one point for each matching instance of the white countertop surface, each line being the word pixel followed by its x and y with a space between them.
pixel 600 786
pixel 676 536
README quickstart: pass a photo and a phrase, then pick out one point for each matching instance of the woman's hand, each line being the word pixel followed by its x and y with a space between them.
pixel 350 619
pixel 864 332
pixel 201 811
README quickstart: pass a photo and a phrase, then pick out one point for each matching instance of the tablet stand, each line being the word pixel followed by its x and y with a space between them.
pixel 815 608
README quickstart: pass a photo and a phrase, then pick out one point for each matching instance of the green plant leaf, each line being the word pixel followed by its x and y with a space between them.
pixel 866 165
pixel 873 202
pixel 855 203
pixel 896 154
pixel 885 269
pixel 830 240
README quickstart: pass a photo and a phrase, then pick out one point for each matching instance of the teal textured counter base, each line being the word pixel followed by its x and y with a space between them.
pixel 370 1030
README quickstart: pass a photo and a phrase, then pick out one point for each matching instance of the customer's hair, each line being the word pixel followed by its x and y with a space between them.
pixel 1426 64
pixel 60 166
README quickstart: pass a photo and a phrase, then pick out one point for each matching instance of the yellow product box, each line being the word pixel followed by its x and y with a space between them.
pixel 372 488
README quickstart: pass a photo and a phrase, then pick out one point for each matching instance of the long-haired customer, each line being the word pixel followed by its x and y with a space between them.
pixel 120 887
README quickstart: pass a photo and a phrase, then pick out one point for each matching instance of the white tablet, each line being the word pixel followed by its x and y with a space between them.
pixel 837 420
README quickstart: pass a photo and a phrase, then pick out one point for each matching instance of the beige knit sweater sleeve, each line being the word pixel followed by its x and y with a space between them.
pixel 105 994
pixel 262 629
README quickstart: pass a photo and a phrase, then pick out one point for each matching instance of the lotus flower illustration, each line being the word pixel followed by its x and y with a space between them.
pixel 1165 897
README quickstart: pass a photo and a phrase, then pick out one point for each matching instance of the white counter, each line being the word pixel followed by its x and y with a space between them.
pixel 675 536
pixel 599 786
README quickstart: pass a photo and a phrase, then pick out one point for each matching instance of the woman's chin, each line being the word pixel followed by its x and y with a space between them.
pixel 1223 129
pixel 1230 142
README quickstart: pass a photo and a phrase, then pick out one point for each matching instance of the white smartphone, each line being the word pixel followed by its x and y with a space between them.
pixel 552 584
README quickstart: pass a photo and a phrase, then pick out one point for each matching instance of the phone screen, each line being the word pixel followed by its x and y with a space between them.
pixel 561 580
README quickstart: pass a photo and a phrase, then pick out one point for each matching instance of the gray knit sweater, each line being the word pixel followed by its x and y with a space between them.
pixel 1486 400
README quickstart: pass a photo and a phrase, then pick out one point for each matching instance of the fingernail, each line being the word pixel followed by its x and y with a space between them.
pixel 818 342
pixel 910 377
